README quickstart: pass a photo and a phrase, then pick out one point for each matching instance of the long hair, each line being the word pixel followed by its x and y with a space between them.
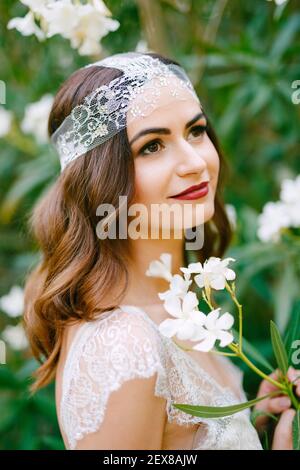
pixel 77 270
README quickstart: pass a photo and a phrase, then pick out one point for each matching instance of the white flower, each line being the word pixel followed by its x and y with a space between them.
pixel 15 337
pixel 290 190
pixel 293 213
pixel 279 2
pixel 213 273
pixel 161 268
pixel 214 328
pixel 83 24
pixel 61 18
pixel 36 118
pixel 13 303
pixel 188 317
pixel 91 27
pixel 5 121
pixel 36 6
pixel 26 26
pixel 273 218
pixel 231 213
pixel 178 287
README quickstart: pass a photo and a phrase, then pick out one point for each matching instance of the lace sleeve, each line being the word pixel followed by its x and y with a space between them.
pixel 109 351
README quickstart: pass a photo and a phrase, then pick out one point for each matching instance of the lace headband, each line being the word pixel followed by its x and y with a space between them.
pixel 111 107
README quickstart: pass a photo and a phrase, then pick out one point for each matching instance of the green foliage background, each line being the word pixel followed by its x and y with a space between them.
pixel 242 57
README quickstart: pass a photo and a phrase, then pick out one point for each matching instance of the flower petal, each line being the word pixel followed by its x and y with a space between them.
pixel 225 321
pixel 211 319
pixel 166 259
pixel 229 274
pixel 197 317
pixel 218 282
pixel 207 344
pixel 199 280
pixel 186 331
pixel 173 306
pixel 170 327
pixel 190 302
pixel 225 338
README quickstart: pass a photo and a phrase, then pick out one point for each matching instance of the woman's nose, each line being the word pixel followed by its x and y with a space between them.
pixel 190 159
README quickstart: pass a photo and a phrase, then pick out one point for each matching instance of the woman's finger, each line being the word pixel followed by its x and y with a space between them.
pixel 271 405
pixel 294 377
pixel 282 439
pixel 267 387
pixel 278 404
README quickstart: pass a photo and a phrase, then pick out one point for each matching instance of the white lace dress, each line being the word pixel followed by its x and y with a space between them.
pixel 124 344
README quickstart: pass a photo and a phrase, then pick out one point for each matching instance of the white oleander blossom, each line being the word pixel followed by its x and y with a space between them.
pixel 273 218
pixel 13 302
pixel 290 196
pixel 36 118
pixel 188 322
pixel 178 287
pixel 187 317
pixel 15 337
pixel 279 2
pixel 281 214
pixel 84 24
pixel 27 26
pixel 214 328
pixel 161 268
pixel 213 273
pixel 5 121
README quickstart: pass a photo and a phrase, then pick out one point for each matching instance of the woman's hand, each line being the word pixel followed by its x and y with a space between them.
pixel 281 404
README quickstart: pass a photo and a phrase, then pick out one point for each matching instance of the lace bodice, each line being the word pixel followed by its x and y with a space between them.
pixel 124 344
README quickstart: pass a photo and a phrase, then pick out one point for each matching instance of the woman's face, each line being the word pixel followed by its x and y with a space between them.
pixel 169 161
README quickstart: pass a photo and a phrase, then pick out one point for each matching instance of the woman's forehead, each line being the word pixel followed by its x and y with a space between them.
pixel 174 113
pixel 155 105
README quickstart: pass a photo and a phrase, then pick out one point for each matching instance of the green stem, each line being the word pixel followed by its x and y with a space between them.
pixel 224 354
pixel 244 358
pixel 294 400
pixel 240 310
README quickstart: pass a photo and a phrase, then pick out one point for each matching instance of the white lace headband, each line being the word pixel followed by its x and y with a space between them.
pixel 109 108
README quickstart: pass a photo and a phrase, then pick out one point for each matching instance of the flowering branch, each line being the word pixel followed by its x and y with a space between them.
pixel 189 323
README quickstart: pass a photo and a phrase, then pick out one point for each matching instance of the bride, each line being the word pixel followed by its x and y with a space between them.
pixel 131 125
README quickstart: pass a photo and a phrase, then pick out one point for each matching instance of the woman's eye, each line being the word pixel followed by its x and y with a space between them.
pixel 199 130
pixel 152 146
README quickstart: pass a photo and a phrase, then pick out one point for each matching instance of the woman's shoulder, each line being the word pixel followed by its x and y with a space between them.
pixel 120 341
pixel 116 347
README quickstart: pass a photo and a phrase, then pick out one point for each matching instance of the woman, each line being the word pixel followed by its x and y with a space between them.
pixel 131 126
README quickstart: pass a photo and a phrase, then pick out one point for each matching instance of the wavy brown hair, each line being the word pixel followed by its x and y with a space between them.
pixel 77 270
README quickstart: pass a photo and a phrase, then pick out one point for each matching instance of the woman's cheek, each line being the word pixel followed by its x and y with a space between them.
pixel 144 183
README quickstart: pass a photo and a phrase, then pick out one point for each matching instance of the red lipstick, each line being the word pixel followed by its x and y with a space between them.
pixel 194 192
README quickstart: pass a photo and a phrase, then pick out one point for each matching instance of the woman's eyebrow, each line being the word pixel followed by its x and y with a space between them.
pixel 164 130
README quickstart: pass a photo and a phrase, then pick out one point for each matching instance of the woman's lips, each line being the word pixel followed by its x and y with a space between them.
pixel 196 194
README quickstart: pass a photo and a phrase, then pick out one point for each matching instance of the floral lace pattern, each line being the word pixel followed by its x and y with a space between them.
pixel 124 344
pixel 108 109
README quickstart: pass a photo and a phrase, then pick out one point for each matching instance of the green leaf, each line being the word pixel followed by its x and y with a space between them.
pixel 279 349
pixel 256 413
pixel 220 411
pixel 286 290
pixel 296 431
pixel 292 330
